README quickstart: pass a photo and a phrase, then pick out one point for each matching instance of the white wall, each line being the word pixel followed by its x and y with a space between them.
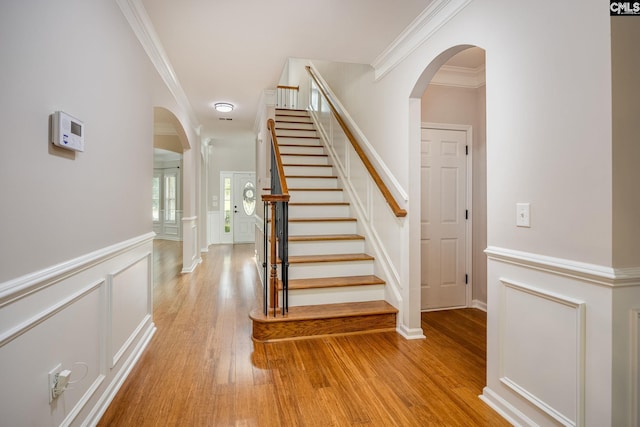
pixel 75 258
pixel 549 143
pixel 63 205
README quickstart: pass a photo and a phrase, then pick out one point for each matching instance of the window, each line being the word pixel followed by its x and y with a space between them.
pixel 249 198
pixel 155 198
pixel 170 202
pixel 227 205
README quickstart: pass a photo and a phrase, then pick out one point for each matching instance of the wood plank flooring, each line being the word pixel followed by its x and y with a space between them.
pixel 202 369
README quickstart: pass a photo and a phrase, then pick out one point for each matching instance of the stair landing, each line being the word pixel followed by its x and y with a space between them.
pixel 322 320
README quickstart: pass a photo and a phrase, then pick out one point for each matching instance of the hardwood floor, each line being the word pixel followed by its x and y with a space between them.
pixel 202 369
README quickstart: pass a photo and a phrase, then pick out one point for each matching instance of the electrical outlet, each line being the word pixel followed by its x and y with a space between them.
pixel 53 380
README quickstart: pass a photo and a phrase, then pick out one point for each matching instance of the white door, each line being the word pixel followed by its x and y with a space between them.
pixel 443 219
pixel 244 207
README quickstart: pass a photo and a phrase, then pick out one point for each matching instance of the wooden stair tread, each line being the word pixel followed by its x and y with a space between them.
pixel 305 259
pixel 297 136
pixel 324 237
pixel 325 219
pixel 303 155
pixel 299 145
pixel 332 282
pixel 306 165
pixel 318 203
pixel 312 176
pixel 314 189
pixel 328 311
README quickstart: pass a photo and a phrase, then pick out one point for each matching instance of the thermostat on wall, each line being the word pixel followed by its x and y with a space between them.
pixel 67 132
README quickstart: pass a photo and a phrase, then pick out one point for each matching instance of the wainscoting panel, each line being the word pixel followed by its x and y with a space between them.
pixel 130 305
pixel 547 369
pixel 63 317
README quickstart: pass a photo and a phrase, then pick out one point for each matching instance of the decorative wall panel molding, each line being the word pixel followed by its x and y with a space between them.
pixel 542 349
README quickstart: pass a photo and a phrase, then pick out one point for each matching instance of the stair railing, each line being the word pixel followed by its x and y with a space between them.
pixel 278 204
pixel 375 176
pixel 287 97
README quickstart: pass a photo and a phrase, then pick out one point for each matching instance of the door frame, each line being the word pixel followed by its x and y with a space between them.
pixel 468 129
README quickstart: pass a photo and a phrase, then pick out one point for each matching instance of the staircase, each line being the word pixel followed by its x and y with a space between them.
pixel 332 288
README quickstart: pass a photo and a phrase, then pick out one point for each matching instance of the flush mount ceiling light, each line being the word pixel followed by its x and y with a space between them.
pixel 223 107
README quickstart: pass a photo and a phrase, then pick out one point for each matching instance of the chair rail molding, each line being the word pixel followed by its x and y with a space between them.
pixel 593 273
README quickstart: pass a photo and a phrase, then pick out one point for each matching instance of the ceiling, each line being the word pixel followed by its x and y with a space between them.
pixel 233 50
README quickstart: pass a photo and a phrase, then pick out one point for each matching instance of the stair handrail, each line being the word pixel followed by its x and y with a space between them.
pixel 386 193
pixel 278 200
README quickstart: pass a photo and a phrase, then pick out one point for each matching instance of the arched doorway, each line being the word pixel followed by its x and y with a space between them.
pixel 169 141
pixel 452 180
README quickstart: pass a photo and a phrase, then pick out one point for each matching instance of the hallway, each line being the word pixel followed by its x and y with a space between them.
pixel 202 369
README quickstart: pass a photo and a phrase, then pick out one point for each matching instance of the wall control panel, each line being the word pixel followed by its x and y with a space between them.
pixel 67 131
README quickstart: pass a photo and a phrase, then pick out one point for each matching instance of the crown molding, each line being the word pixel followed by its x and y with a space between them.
pixel 140 23
pixel 448 75
pixel 438 13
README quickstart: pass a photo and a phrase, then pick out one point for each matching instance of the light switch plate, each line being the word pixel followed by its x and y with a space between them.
pixel 523 214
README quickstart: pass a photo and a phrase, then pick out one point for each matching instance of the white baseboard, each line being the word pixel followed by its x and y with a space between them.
pixel 410 333
pixel 505 409
pixel 480 305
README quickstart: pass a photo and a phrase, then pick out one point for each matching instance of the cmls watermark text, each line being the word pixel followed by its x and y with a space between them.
pixel 618 8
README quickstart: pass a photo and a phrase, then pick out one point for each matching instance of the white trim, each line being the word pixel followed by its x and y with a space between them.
pixel 468 129
pixel 394 284
pixel 437 14
pixel 107 397
pixel 504 408
pixel 634 369
pixel 140 23
pixel 380 165
pixel 480 305
pixel 18 330
pixel 580 307
pixel 410 333
pixel 33 282
pixel 593 273
pixel 115 357
pixel 472 78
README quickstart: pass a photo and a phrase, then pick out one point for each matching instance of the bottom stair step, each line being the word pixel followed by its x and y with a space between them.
pixel 327 319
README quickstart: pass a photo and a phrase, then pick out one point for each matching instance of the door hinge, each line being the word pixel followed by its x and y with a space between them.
pixel 466 150
pixel 466 214
pixel 466 279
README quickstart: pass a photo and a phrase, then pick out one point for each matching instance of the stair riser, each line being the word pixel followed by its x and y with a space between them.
pixel 298 125
pixel 331 269
pixel 315 211
pixel 312 182
pixel 345 294
pixel 294 140
pixel 301 119
pixel 331 247
pixel 289 112
pixel 299 133
pixel 307 149
pixel 308 170
pixel 316 196
pixel 276 331
pixel 322 228
pixel 304 160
